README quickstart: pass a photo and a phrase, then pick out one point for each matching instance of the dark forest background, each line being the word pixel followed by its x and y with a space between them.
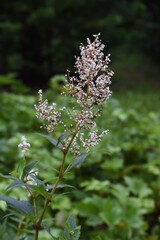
pixel 39 39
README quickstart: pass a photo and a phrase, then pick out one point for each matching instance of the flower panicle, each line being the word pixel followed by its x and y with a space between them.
pixel 90 87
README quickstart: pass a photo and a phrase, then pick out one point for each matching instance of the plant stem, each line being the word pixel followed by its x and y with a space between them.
pixel 38 223
pixel 60 176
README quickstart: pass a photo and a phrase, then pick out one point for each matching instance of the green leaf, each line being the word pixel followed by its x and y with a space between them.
pixel 49 186
pixel 8 215
pixel 15 183
pixel 96 185
pixel 47 228
pixel 78 160
pixel 61 203
pixel 71 232
pixel 18 172
pixel 71 222
pixel 7 176
pixel 28 168
pixel 138 186
pixel 20 205
pixel 111 213
pixel 53 141
pixel 90 209
pixel 41 190
pixel 62 136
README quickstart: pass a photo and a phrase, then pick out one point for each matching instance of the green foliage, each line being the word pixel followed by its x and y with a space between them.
pixel 118 196
pixel 71 231
pixel 20 205
pixel 9 82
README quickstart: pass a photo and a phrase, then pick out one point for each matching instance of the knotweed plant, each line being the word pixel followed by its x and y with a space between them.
pixel 89 86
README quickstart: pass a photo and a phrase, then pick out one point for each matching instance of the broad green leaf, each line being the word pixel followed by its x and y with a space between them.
pixel 90 208
pixel 61 203
pixel 138 186
pixel 121 192
pixel 114 165
pixel 96 185
pixel 20 205
pixel 132 213
pixel 111 213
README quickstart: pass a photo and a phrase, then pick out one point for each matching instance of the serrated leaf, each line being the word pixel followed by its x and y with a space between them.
pixel 28 168
pixel 15 183
pixel 53 141
pixel 21 205
pixel 78 160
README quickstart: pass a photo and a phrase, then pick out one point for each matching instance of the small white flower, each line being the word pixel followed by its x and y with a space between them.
pixel 29 179
pixel 24 145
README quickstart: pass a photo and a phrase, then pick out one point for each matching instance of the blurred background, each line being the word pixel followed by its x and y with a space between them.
pixel 39 39
pixel 118 186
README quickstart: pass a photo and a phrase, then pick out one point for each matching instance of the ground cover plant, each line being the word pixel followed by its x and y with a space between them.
pixel 120 175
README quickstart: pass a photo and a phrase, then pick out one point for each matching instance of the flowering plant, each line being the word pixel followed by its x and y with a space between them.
pixel 90 88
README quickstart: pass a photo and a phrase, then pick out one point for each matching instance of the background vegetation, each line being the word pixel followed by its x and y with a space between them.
pixel 40 38
pixel 117 195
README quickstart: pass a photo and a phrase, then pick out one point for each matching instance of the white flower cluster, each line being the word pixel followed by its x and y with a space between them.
pixel 48 113
pixel 93 140
pixel 24 145
pixel 90 87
